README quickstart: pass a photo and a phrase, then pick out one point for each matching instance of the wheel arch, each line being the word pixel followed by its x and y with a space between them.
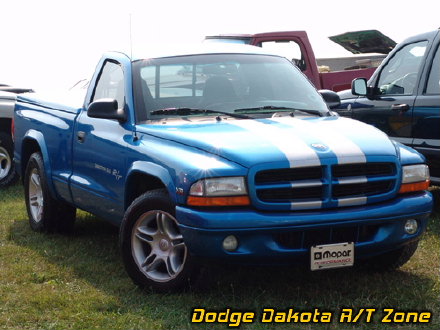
pixel 145 176
pixel 34 141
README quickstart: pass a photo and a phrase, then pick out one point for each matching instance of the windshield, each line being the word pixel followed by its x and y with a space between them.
pixel 257 85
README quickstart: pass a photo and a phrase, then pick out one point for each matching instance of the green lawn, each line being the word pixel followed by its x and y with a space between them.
pixel 79 282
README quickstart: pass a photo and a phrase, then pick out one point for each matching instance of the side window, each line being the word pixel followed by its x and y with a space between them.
pixel 111 84
pixel 399 75
pixel 433 86
pixel 287 48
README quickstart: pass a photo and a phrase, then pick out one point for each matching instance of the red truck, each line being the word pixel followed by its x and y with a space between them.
pixel 296 46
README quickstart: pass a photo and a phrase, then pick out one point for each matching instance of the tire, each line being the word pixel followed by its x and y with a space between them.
pixel 153 250
pixel 46 214
pixel 392 260
pixel 8 175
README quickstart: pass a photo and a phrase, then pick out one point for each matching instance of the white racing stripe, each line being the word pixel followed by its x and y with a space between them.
pixel 345 149
pixel 297 152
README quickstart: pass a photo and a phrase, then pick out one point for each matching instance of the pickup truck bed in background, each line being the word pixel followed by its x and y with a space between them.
pixel 295 45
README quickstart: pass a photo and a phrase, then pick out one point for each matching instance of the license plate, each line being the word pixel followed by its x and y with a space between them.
pixel 331 256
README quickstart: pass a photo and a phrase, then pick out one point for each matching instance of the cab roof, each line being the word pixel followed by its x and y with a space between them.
pixel 174 50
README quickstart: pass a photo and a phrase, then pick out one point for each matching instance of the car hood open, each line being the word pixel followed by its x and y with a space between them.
pixel 367 41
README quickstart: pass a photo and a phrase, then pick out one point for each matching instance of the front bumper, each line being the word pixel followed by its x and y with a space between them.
pixel 287 236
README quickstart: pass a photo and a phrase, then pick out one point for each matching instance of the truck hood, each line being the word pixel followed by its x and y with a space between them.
pixel 299 142
pixel 361 42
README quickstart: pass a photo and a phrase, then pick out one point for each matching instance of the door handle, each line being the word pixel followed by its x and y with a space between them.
pixel 81 136
pixel 400 107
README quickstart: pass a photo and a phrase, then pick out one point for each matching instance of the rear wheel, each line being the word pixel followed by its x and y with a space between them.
pixel 153 249
pixel 45 213
pixel 8 175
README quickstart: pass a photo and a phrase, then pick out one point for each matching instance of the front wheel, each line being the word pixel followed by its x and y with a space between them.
pixel 153 249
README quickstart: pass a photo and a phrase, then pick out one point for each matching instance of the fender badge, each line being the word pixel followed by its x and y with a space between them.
pixel 319 146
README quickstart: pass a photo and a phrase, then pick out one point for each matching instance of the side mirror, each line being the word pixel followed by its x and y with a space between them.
pixel 331 98
pixel 359 87
pixel 106 109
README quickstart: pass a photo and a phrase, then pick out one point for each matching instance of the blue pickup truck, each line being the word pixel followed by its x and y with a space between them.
pixel 223 152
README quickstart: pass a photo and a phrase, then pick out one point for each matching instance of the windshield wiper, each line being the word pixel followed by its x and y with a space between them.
pixel 276 108
pixel 194 111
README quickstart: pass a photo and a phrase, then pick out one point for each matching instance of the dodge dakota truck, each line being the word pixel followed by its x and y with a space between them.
pixel 402 98
pixel 223 153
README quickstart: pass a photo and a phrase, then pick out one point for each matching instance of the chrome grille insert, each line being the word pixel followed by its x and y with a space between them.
pixel 326 186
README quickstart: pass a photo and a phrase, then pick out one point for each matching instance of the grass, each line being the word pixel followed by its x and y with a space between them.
pixel 78 282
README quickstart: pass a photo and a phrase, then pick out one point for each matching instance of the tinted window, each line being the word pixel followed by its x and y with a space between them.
pixel 223 82
pixel 110 83
pixel 433 86
pixel 399 75
pixel 175 80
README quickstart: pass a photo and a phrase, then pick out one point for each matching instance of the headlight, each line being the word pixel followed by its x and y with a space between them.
pixel 230 186
pixel 414 178
pixel 227 191
pixel 415 173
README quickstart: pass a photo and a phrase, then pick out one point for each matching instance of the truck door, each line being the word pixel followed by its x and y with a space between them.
pixel 390 108
pixel 293 45
pixel 99 149
pixel 426 130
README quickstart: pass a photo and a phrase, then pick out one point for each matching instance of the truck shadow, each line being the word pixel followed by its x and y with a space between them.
pixel 435 191
pixel 92 254
pixel 435 218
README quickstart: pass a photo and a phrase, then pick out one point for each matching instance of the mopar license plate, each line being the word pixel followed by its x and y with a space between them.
pixel 331 256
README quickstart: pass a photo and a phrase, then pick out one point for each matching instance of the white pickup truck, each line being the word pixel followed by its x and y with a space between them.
pixel 7 102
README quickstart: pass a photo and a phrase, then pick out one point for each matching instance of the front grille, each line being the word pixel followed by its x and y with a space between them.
pixel 364 169
pixel 289 174
pixel 362 189
pixel 304 239
pixel 326 186
pixel 273 195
